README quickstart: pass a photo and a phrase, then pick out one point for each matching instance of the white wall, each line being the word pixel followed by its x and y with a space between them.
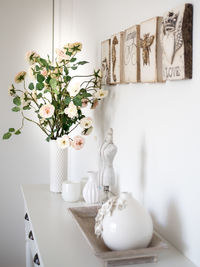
pixel 24 25
pixel 156 126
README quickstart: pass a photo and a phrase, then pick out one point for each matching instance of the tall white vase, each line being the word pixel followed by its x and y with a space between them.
pixel 58 166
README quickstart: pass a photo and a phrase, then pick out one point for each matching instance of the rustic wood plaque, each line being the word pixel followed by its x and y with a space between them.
pixel 116 68
pixel 151 50
pixel 85 219
pixel 131 55
pixel 105 62
pixel 177 43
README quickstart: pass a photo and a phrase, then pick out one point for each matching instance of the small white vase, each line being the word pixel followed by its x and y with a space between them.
pixel 58 166
pixel 90 190
pixel 124 224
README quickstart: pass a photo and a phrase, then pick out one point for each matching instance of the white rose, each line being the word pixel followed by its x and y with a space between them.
pixel 63 142
pixel 74 89
pixel 46 111
pixel 71 111
pixel 101 93
pixel 86 123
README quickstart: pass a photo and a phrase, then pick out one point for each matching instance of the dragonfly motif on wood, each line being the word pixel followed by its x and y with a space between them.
pixel 145 44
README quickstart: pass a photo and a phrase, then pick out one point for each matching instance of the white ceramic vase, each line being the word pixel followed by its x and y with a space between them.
pixel 124 224
pixel 58 166
pixel 90 190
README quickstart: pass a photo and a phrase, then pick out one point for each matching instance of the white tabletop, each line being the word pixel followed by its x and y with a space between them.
pixel 60 242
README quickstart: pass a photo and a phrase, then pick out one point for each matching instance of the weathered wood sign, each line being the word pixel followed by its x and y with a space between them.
pixel 177 43
pixel 116 68
pixel 105 62
pixel 151 50
pixel 131 55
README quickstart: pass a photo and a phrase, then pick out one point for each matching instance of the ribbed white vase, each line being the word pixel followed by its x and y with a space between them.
pixel 58 166
pixel 90 190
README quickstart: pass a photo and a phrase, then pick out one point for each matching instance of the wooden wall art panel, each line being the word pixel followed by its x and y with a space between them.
pixel 131 55
pixel 151 50
pixel 116 68
pixel 105 62
pixel 177 43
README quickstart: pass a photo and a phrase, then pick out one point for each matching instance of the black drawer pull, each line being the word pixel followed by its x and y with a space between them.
pixel 36 259
pixel 30 235
pixel 26 217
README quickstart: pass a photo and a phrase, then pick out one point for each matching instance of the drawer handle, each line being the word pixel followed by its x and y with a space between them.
pixel 30 236
pixel 26 217
pixel 36 259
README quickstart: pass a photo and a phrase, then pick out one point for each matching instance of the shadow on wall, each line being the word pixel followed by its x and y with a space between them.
pixel 172 229
pixel 142 175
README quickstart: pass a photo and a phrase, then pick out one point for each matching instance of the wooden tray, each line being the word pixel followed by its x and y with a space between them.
pixel 85 219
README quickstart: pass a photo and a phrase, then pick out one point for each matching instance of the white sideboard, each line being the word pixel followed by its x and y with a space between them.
pixel 54 240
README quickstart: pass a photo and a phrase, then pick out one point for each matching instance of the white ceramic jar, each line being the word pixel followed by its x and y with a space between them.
pixel 124 224
pixel 71 191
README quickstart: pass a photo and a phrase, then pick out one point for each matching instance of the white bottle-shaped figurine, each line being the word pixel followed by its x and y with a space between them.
pixel 90 190
pixel 107 153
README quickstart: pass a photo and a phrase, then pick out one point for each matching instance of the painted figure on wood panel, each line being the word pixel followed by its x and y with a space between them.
pixel 114 43
pixel 172 31
pixel 105 61
pixel 105 71
pixel 145 44
pixel 130 48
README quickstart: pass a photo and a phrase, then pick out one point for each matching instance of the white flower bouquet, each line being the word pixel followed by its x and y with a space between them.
pixel 56 97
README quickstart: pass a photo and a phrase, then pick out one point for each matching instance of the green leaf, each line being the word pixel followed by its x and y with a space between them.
pixel 66 70
pixel 39 86
pixel 68 53
pixel 67 100
pixel 66 127
pixel 48 139
pixel 77 101
pixel 48 79
pixel 53 83
pixel 16 109
pixel 85 95
pixel 74 68
pixel 73 59
pixel 39 95
pixel 17 101
pixel 67 78
pixel 47 91
pixel 26 108
pixel 31 86
pixel 44 62
pixel 11 130
pixel 7 136
pixel 18 132
pixel 40 78
pixel 37 68
pixel 56 91
pixel 82 62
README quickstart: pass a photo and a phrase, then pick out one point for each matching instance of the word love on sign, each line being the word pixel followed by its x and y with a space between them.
pixel 177 43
